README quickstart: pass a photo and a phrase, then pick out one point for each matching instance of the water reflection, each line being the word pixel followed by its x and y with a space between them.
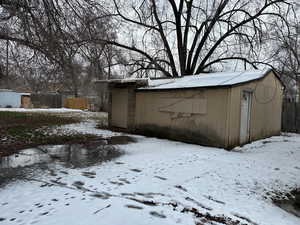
pixel 72 156
pixel 291 205
pixel 69 156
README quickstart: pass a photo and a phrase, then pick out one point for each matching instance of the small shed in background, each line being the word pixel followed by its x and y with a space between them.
pixel 217 109
pixel 12 99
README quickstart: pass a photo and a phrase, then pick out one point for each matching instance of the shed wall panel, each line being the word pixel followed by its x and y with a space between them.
pixel 119 107
pixel 266 109
pixel 10 99
pixel 197 116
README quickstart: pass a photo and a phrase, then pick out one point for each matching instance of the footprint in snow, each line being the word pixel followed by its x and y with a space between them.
pixel 134 207
pixel 157 214
pixel 136 170
pixel 213 199
pixel 78 184
pixel 145 202
pixel 161 178
pixel 44 213
pixel 127 194
pixel 181 188
pixel 63 172
pixel 124 180
pixel 116 183
pixel 89 174
pixel 102 195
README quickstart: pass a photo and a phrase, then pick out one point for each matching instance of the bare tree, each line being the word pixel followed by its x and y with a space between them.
pixel 56 32
pixel 173 38
pixel 286 54
pixel 192 36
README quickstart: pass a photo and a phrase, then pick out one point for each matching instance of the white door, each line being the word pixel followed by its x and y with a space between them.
pixel 245 117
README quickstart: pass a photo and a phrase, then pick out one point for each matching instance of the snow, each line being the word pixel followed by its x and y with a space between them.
pixel 88 127
pixel 206 80
pixel 239 183
pixel 59 110
pixel 125 80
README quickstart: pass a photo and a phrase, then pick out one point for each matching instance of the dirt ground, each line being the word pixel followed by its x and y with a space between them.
pixel 20 130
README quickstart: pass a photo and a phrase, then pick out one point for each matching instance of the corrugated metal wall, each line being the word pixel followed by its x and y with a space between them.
pixel 10 99
pixel 291 117
pixel 46 100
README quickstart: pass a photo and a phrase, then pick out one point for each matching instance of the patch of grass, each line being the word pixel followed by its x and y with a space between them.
pixel 19 144
pixel 19 130
pixel 11 119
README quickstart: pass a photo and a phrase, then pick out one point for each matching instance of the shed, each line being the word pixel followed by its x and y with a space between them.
pixel 12 99
pixel 225 109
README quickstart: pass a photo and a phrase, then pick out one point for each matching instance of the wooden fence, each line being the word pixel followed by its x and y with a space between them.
pixel 291 117
pixel 77 103
pixel 46 100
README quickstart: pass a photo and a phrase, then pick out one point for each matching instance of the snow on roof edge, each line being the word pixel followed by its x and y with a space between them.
pixel 126 80
pixel 219 79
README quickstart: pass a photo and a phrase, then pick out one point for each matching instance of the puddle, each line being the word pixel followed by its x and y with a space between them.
pixel 69 156
pixel 290 207
pixel 120 140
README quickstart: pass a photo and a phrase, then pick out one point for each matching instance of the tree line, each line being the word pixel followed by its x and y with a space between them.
pixel 61 44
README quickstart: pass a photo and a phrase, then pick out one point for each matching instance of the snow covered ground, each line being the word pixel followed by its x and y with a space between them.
pixel 161 182
pixel 58 110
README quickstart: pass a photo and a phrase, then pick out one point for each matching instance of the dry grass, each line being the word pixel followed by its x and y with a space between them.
pixel 19 130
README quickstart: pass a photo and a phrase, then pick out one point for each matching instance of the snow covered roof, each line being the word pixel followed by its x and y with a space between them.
pixel 123 81
pixel 25 94
pixel 12 91
pixel 206 80
pixel 6 90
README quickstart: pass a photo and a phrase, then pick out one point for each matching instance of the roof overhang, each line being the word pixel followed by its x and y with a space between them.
pixel 143 84
pixel 263 75
pixel 138 82
pixel 25 94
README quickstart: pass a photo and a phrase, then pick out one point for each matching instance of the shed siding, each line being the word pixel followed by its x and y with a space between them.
pixel 26 102
pixel 267 107
pixel 265 112
pixel 234 117
pixel 197 116
pixel 10 99
pixel 119 117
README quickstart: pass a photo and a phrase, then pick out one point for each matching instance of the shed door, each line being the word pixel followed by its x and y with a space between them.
pixel 119 108
pixel 25 102
pixel 245 117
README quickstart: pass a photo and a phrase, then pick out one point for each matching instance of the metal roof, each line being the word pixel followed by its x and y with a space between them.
pixel 220 79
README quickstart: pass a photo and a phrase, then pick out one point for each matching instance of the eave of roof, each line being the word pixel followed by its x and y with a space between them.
pixel 263 75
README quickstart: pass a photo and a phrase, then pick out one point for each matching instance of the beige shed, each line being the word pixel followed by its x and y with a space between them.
pixel 217 109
